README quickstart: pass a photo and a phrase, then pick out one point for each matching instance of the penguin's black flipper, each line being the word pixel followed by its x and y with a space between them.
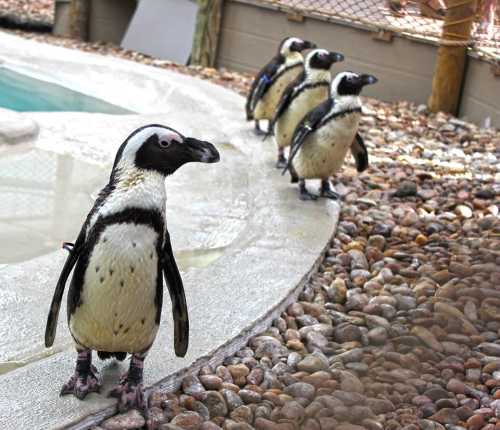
pixel 308 124
pixel 176 291
pixel 261 83
pixel 74 253
pixel 360 153
pixel 288 95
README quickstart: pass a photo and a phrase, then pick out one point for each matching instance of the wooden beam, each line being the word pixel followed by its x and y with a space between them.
pixel 206 36
pixel 79 19
pixel 451 57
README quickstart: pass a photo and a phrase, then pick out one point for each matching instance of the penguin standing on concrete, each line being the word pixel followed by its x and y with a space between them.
pixel 120 257
pixel 272 80
pixel 324 136
pixel 310 89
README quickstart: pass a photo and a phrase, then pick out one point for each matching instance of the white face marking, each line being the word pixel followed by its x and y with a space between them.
pixel 315 51
pixel 136 141
pixel 285 49
pixel 310 56
pixel 137 187
pixel 338 78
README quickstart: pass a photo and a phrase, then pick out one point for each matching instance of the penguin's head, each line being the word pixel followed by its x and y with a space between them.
pixel 294 44
pixel 350 83
pixel 322 59
pixel 163 149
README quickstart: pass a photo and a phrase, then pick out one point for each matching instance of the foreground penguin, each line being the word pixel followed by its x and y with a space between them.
pixel 310 89
pixel 324 136
pixel 271 81
pixel 120 257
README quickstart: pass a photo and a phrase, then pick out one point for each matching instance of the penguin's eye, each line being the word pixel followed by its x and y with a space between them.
pixel 165 143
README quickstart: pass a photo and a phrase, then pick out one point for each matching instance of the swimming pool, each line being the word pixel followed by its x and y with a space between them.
pixel 23 93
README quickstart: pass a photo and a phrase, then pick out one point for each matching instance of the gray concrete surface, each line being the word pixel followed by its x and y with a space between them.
pixel 244 240
pixel 16 128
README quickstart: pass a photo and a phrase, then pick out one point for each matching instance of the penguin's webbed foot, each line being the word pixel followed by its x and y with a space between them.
pixel 130 391
pixel 294 178
pixel 130 395
pixel 257 130
pixel 82 383
pixel 307 196
pixel 281 162
pixel 304 194
pixel 327 192
pixel 330 194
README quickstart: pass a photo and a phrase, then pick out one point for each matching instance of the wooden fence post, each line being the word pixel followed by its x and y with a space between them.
pixel 79 19
pixel 206 36
pixel 451 59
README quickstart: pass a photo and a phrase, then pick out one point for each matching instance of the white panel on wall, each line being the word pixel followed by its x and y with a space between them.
pixel 163 29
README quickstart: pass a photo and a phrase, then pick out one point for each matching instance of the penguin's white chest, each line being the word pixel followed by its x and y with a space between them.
pixel 266 108
pixel 323 154
pixel 299 107
pixel 118 310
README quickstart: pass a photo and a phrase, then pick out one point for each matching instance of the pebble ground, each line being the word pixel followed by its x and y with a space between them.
pixel 400 327
pixel 29 10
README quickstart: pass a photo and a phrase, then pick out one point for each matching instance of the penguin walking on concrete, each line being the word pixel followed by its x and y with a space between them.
pixel 273 78
pixel 326 133
pixel 310 89
pixel 119 260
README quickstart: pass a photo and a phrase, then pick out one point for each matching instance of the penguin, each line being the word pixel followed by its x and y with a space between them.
pixel 119 260
pixel 310 89
pixel 273 78
pixel 323 137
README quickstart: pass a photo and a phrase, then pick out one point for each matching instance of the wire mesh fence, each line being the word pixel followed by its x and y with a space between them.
pixel 421 19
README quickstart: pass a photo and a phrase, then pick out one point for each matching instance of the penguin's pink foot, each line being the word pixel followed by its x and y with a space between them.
pixel 129 395
pixel 85 379
pixel 81 384
pixel 130 391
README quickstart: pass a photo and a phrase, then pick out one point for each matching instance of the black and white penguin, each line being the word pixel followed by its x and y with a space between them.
pixel 273 78
pixel 310 89
pixel 322 139
pixel 119 260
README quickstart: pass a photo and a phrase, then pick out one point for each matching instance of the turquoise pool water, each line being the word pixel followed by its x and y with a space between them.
pixel 25 94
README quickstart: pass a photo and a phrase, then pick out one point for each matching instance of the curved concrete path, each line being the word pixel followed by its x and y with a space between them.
pixel 244 240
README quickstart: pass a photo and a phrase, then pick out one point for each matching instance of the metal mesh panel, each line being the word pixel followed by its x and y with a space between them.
pixel 414 18
pixel 26 186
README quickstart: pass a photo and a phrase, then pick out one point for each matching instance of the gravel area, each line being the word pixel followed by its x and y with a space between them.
pixel 29 10
pixel 400 327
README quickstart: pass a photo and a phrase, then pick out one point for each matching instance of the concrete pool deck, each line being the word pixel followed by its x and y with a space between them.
pixel 243 239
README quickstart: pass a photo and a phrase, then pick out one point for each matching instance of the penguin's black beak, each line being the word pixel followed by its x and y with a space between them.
pixel 201 151
pixel 335 57
pixel 368 80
